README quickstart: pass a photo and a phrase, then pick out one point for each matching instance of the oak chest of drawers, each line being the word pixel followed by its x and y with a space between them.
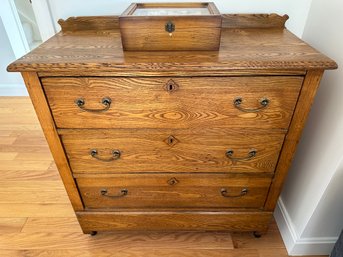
pixel 173 140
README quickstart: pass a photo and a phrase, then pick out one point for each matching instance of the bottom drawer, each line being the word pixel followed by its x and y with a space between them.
pixel 174 221
pixel 173 191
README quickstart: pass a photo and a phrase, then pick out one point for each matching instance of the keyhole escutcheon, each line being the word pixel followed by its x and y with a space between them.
pixel 171 140
pixel 171 86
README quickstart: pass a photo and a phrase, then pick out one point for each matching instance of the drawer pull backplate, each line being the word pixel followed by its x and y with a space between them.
pixel 106 101
pixel 264 102
pixel 224 193
pixel 122 192
pixel 251 154
pixel 115 155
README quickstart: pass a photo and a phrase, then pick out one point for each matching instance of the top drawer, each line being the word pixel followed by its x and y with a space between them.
pixel 87 102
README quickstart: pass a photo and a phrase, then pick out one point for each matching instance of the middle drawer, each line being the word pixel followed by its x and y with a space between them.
pixel 162 150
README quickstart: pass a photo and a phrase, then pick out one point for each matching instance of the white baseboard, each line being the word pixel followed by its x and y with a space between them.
pixel 295 244
pixel 13 90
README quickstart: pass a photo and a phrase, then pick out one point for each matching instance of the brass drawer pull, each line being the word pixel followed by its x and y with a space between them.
pixel 122 193
pixel 115 155
pixel 106 101
pixel 264 102
pixel 251 154
pixel 224 192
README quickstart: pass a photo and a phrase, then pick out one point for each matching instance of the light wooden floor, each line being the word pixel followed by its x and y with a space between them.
pixel 36 218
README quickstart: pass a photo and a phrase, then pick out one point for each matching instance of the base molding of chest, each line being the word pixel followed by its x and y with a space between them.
pixel 174 221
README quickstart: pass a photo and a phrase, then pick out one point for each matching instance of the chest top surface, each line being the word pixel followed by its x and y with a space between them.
pixel 90 44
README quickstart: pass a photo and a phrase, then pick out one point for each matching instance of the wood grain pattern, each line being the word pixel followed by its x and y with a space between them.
pixel 145 103
pixel 31 191
pixel 12 225
pixel 39 165
pixel 259 49
pixel 174 221
pixel 139 252
pixel 189 191
pixel 5 140
pixel 98 23
pixel 89 23
pixel 34 156
pixel 145 150
pixel 24 153
pixel 149 38
pixel 193 73
pixel 7 156
pixel 117 241
pixel 27 175
pixel 25 149
pixel 48 224
pixel 244 21
pixel 43 112
pixel 269 240
pixel 22 210
pixel 301 112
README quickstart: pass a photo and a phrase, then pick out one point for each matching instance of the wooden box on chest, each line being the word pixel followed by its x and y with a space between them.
pixel 171 140
pixel 170 26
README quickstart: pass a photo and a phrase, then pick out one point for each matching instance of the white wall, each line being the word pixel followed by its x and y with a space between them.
pixel 6 56
pixel 297 10
pixel 27 15
pixel 11 24
pixel 326 220
pixel 312 196
pixel 11 83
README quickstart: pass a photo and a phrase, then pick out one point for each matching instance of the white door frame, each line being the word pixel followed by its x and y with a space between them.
pixel 43 18
pixel 16 35
pixel 14 30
